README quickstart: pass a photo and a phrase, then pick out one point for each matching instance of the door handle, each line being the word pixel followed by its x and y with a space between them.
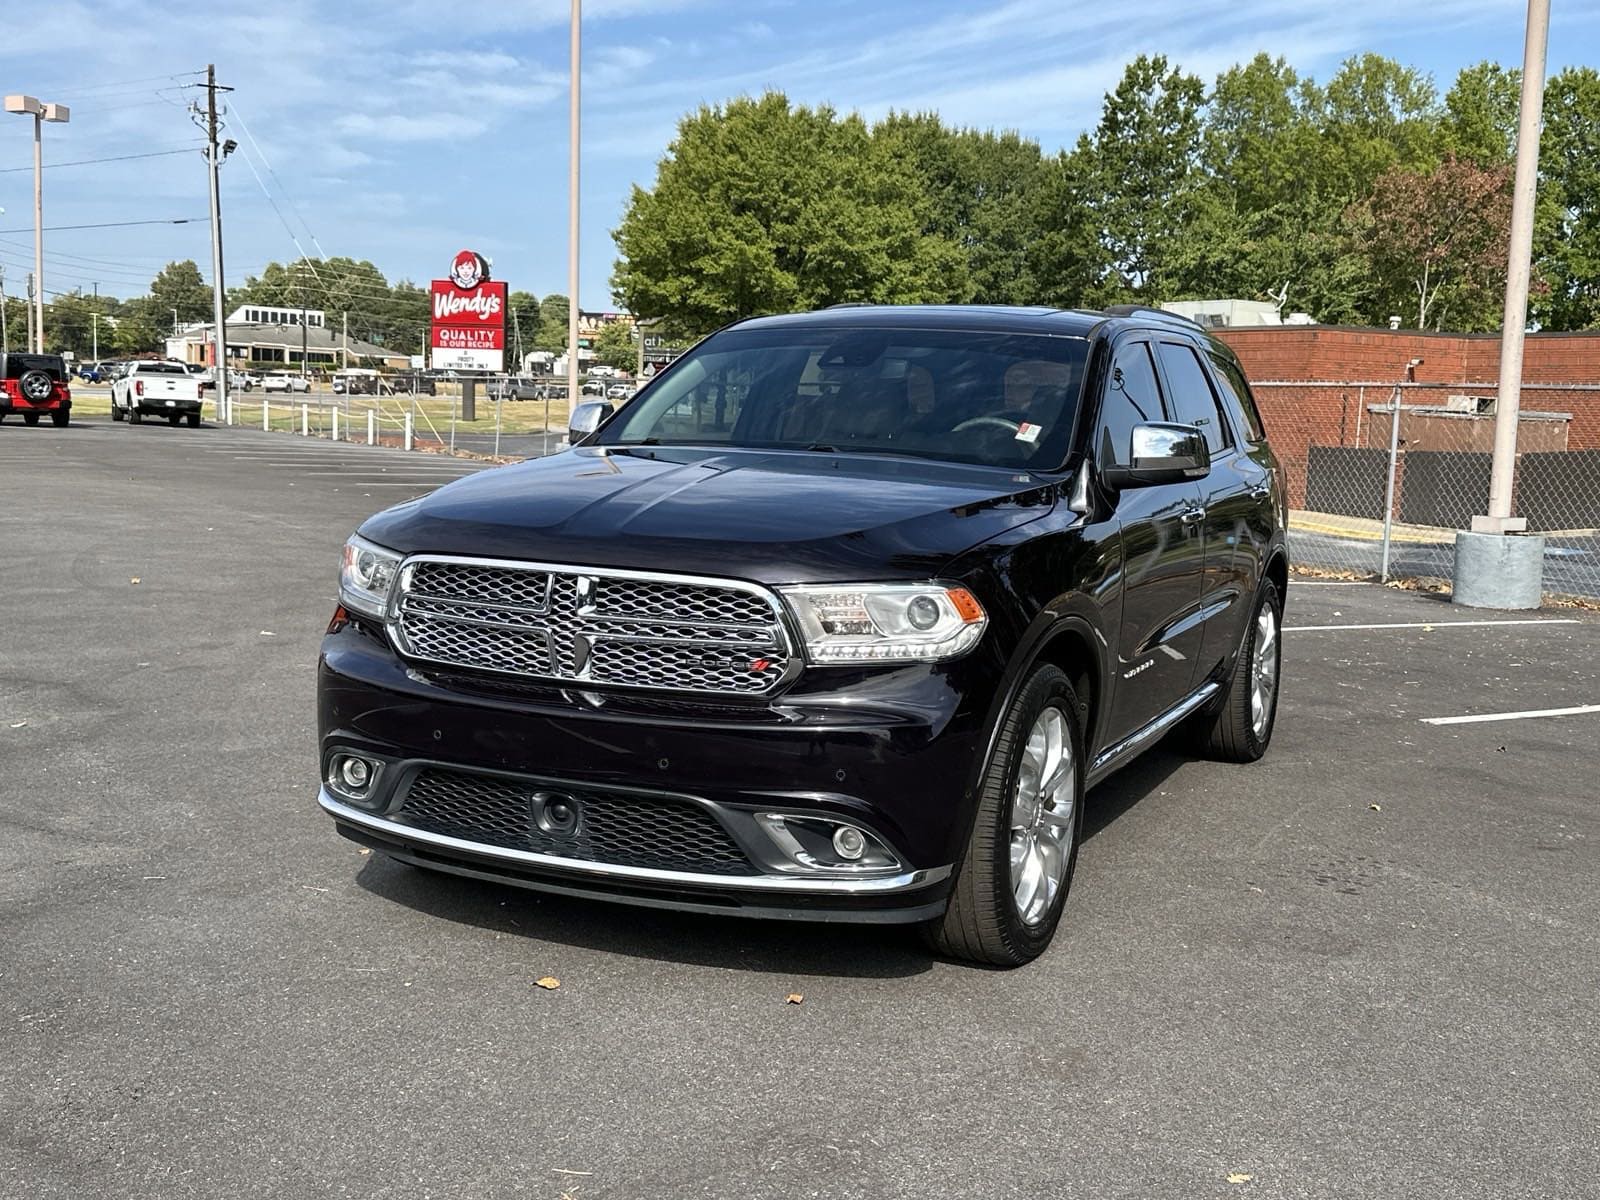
pixel 1192 516
pixel 1261 491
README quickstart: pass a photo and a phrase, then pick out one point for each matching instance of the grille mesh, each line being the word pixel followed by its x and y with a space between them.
pixel 657 832
pixel 588 627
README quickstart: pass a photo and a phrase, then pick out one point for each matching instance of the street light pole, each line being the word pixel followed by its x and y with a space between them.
pixel 572 216
pixel 40 112
pixel 219 329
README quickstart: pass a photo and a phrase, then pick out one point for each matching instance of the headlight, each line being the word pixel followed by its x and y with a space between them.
pixel 877 622
pixel 366 576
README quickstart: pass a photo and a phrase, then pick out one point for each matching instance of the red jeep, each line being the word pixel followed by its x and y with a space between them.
pixel 31 384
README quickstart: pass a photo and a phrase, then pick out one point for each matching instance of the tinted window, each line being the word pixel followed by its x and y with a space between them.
pixel 1232 380
pixel 160 369
pixel 1000 399
pixel 1193 402
pixel 1132 398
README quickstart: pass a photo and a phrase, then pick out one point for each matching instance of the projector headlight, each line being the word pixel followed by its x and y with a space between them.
pixel 366 576
pixel 883 622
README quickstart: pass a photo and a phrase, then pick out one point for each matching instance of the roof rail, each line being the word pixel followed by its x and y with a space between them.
pixel 1145 310
pixel 853 304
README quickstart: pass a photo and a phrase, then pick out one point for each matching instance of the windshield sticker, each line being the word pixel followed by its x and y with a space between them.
pixel 1029 433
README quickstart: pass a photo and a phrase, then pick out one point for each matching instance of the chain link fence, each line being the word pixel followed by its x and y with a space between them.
pixel 1382 475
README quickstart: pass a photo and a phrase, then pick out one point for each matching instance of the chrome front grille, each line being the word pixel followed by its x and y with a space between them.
pixel 584 626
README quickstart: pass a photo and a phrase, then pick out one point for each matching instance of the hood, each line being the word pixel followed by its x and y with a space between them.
pixel 768 516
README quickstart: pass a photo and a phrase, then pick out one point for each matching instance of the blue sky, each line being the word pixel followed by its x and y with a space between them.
pixel 404 130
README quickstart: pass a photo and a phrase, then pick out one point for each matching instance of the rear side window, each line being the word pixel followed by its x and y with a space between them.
pixel 1193 401
pixel 160 369
pixel 1237 390
pixel 1132 398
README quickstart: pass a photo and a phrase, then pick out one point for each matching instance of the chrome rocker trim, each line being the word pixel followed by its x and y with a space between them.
pixel 769 885
pixel 1110 759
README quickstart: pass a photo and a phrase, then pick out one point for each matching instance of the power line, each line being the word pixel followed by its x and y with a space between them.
pixel 117 83
pixel 115 224
pixel 83 162
pixel 288 199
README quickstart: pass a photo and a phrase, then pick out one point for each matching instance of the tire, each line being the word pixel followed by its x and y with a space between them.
pixel 193 420
pixel 59 418
pixel 116 413
pixel 30 418
pixel 35 386
pixel 986 922
pixel 174 418
pixel 1240 731
pixel 135 417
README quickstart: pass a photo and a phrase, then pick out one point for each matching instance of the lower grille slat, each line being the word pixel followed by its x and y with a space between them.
pixel 664 833
pixel 585 626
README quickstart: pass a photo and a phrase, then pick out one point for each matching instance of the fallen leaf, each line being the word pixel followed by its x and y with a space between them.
pixel 794 998
pixel 268 633
pixel 20 724
pixel 135 579
pixel 1240 1177
pixel 549 983
pixel 363 850
pixel 1375 807
pixel 1427 629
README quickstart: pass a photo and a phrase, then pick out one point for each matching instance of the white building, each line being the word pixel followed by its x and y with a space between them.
pixel 265 335
pixel 1226 314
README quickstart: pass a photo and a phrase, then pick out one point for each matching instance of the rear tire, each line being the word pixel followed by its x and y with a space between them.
pixel 135 417
pixel 1242 729
pixel 174 419
pixel 193 419
pixel 994 916
pixel 30 418
pixel 116 413
pixel 60 417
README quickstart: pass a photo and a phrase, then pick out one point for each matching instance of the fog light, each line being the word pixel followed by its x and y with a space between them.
pixel 356 774
pixel 849 842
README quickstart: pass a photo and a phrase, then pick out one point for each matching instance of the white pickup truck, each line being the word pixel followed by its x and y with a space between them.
pixel 156 389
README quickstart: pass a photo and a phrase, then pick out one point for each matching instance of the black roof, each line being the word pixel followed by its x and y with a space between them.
pixel 1069 322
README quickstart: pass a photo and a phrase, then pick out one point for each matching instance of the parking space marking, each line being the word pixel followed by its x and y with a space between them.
pixel 1300 583
pixel 1430 624
pixel 1574 711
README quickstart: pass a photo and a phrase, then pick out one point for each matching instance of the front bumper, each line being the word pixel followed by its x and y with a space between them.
pixel 890 751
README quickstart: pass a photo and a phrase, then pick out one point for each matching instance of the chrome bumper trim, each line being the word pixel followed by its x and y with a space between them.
pixel 883 885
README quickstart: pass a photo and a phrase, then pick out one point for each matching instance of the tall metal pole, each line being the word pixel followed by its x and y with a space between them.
pixel 37 345
pixel 572 217
pixel 219 329
pixel 5 336
pixel 1502 475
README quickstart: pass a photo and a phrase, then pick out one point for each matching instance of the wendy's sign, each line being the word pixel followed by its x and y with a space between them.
pixel 469 318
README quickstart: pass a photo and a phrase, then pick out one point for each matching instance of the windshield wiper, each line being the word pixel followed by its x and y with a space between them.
pixel 823 448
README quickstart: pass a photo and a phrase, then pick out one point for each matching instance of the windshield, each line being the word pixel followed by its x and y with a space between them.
pixel 999 399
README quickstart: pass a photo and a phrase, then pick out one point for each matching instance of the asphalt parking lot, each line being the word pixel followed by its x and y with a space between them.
pixel 1366 966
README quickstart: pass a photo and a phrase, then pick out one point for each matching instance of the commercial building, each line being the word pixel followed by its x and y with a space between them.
pixel 270 337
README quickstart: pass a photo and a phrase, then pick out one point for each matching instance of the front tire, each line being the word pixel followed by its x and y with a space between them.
pixel 1242 729
pixel 1013 882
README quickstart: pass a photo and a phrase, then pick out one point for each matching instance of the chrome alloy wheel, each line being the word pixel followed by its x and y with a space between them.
pixel 1263 671
pixel 1043 816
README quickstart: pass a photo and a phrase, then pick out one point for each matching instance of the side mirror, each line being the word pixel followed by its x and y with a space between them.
pixel 1161 454
pixel 585 419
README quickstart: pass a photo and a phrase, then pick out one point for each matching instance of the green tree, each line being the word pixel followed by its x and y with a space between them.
pixel 761 206
pixel 1141 172
pixel 555 313
pixel 1374 115
pixel 180 288
pixel 615 346
pixel 1480 117
pixel 1568 245
pixel 138 330
pixel 522 316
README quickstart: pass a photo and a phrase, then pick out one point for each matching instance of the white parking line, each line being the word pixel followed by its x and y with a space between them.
pixel 1430 624
pixel 1576 710
pixel 1300 583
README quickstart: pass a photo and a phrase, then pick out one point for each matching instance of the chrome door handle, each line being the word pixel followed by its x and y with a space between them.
pixel 1261 491
pixel 1193 516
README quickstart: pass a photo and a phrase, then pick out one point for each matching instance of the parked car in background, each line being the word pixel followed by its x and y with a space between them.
pixel 414 384
pixel 593 387
pixel 619 391
pixel 513 387
pixel 285 383
pixel 92 372
pixel 838 620
pixel 156 389
pixel 32 385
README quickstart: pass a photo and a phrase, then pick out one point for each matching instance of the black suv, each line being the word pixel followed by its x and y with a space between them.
pixel 836 619
pixel 33 385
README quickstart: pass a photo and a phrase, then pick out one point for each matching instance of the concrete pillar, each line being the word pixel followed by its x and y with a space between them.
pixel 1498 570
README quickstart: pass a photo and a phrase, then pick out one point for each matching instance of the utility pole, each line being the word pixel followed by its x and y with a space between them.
pixel 214 158
pixel 96 315
pixel 31 326
pixel 1491 569
pixel 40 112
pixel 572 219
pixel 5 337
pixel 305 341
pixel 344 337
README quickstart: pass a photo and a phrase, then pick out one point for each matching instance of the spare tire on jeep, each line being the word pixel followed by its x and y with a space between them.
pixel 36 386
